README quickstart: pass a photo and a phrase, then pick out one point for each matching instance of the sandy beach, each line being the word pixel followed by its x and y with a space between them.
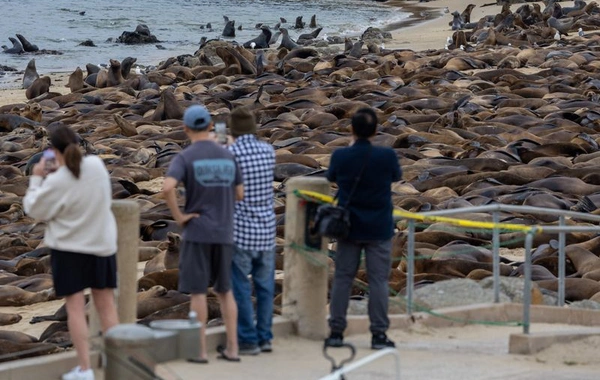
pixel 427 29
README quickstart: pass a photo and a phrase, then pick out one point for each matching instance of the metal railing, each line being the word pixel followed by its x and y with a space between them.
pixel 339 373
pixel 530 231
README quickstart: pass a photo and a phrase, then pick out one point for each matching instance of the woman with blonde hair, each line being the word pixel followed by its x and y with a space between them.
pixel 74 199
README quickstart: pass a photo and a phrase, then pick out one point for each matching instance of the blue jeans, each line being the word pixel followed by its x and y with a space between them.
pixel 261 265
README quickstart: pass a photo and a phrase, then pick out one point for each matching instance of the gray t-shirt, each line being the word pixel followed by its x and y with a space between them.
pixel 210 174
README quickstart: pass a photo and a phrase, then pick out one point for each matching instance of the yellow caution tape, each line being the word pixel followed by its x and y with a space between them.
pixel 458 222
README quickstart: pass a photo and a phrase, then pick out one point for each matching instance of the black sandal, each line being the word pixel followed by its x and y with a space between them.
pixel 197 360
pixel 224 356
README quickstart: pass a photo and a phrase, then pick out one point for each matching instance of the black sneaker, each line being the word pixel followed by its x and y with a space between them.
pixel 380 340
pixel 335 340
pixel 249 349
pixel 265 346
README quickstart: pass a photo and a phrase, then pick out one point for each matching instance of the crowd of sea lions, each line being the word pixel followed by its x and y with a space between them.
pixel 516 124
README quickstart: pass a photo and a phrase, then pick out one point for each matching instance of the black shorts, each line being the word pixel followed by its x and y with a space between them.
pixel 73 272
pixel 202 265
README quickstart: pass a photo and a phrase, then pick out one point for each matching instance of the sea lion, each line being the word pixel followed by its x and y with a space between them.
pixel 457 22
pixel 309 36
pixel 30 75
pixel 25 350
pixel 286 41
pixel 17 48
pixel 168 108
pixel 168 279
pixel 27 46
pixel 15 296
pixel 17 337
pixel 586 263
pixel 299 23
pixel 76 82
pixel 158 298
pixel 576 289
pixel 313 22
pixel 38 87
pixel 115 77
pixel 229 30
pixel 9 319
pixel 262 41
pixel 126 65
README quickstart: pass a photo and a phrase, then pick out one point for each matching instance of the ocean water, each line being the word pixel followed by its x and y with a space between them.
pixel 58 25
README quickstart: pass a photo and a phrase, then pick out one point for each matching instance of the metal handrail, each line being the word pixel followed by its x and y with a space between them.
pixel 337 374
pixel 561 229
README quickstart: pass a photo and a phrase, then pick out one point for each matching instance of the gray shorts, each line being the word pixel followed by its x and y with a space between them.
pixel 202 265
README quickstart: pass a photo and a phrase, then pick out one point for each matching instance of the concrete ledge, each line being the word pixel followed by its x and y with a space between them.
pixel 43 367
pixel 53 366
pixel 527 344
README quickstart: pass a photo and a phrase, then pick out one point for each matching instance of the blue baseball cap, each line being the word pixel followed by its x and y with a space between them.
pixel 197 118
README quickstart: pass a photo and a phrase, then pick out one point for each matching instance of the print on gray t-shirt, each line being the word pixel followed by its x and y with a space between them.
pixel 214 172
pixel 210 174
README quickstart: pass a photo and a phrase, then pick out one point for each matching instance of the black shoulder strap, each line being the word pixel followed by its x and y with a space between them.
pixel 358 177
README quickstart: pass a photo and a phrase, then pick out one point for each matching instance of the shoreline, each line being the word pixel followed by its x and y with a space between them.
pixel 406 34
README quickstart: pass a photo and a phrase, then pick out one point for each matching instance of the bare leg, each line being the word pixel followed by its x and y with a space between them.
pixel 104 300
pixel 198 304
pixel 229 314
pixel 78 328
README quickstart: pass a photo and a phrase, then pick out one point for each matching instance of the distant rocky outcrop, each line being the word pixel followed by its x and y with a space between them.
pixel 141 35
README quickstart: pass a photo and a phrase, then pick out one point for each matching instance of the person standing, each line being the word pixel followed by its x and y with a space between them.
pixel 81 234
pixel 364 175
pixel 254 235
pixel 212 183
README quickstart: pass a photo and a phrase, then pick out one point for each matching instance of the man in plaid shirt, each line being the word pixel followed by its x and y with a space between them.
pixel 254 235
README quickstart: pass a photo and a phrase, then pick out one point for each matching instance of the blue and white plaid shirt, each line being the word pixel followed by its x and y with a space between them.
pixel 254 217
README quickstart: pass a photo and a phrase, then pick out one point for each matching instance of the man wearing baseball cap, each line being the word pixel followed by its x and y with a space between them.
pixel 213 182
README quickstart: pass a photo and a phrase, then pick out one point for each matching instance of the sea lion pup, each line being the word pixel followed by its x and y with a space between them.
pixel 313 22
pixel 76 82
pixel 262 41
pixel 27 46
pixel 17 48
pixel 456 22
pixel 229 30
pixel 286 41
pixel 115 77
pixel 30 75
pixel 38 87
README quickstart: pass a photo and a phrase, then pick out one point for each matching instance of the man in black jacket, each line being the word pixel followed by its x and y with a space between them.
pixel 370 171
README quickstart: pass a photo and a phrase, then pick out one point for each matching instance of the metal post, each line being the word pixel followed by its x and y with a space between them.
pixel 527 286
pixel 496 256
pixel 561 263
pixel 411 266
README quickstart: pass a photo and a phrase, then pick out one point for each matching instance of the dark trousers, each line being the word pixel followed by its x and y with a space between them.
pixel 347 261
